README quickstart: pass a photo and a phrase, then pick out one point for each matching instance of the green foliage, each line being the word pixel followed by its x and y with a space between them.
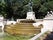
pixel 50 5
pixel 18 8
pixel 43 9
pixel 17 37
pixel 2 9
pixel 36 1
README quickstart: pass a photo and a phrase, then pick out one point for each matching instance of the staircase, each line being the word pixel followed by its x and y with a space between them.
pixel 22 28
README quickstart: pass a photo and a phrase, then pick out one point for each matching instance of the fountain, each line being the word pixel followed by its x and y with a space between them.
pixel 30 13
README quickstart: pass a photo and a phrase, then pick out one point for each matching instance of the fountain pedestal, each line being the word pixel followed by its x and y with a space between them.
pixel 30 15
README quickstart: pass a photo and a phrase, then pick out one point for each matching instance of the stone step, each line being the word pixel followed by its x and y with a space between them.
pixel 22 28
pixel 28 32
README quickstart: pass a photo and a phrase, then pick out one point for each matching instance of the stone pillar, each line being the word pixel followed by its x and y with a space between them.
pixel 30 15
pixel 1 24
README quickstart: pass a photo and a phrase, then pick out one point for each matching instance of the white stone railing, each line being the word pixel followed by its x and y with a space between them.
pixel 38 35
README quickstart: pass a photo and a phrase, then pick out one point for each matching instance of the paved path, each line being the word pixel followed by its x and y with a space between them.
pixel 2 35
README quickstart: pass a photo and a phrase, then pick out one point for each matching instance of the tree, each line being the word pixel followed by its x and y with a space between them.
pixel 2 9
pixel 18 8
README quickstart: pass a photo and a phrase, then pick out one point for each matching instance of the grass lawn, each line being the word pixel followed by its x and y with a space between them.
pixel 17 37
pixel 22 37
